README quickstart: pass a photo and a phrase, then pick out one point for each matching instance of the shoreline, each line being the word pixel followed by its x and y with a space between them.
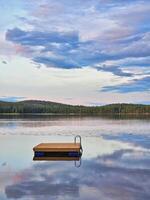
pixel 75 114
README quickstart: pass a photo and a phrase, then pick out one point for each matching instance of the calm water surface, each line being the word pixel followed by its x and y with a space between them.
pixel 115 162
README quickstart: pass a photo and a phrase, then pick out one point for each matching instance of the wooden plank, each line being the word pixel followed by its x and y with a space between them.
pixel 57 147
pixel 56 158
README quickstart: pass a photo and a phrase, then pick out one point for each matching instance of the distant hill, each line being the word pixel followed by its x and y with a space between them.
pixel 48 107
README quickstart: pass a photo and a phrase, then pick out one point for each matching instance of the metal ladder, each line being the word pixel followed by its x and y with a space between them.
pixel 78 164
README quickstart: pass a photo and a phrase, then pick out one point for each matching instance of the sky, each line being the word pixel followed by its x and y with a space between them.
pixel 91 52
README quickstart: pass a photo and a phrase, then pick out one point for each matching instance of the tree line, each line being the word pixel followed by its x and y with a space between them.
pixel 33 106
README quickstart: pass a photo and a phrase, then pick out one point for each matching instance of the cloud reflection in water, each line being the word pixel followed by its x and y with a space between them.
pixel 112 177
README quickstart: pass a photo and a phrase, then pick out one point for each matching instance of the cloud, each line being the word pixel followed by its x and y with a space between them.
pixel 56 62
pixel 116 70
pixel 133 62
pixel 66 50
pixel 75 34
pixel 136 85
pixel 110 36
pixel 36 38
pixel 145 102
pixel 139 48
pixel 11 99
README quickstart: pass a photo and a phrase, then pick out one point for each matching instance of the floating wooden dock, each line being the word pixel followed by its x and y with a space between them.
pixel 58 151
pixel 57 147
pixel 57 158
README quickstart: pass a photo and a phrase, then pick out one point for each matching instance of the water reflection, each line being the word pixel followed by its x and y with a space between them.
pixel 142 140
pixel 115 161
pixel 89 126
pixel 96 179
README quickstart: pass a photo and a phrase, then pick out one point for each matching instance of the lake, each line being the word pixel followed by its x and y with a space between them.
pixel 115 164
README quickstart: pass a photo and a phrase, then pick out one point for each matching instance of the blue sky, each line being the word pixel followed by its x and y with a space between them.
pixel 77 52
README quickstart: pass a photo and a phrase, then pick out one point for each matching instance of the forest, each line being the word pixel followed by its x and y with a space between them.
pixel 47 107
